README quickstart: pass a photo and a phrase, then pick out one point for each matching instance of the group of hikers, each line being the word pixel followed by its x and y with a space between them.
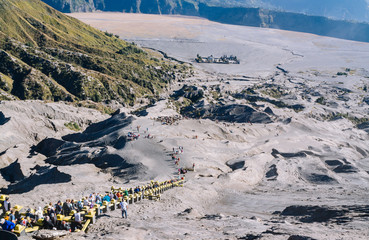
pixel 49 215
pixel 11 216
pixel 168 120
pixel 177 151
pixel 132 136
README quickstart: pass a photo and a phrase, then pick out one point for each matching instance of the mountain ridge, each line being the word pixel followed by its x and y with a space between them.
pixel 356 10
pixel 255 13
pixel 47 55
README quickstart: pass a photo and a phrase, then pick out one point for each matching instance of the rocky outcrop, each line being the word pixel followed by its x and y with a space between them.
pixel 235 164
pixel 338 214
pixel 227 113
pixel 192 93
pixel 43 175
pixel 96 145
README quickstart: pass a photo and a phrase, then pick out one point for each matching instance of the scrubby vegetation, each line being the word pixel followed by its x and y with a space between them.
pixel 320 100
pixel 47 55
pixel 73 126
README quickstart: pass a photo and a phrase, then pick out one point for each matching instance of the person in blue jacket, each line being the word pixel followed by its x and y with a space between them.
pixel 106 198
pixel 7 225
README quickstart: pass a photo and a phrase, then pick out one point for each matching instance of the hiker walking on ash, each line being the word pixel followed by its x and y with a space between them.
pixel 123 206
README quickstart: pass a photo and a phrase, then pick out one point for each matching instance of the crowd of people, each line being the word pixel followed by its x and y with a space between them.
pixel 132 136
pixel 168 120
pixel 176 159
pixel 47 218
pixel 175 154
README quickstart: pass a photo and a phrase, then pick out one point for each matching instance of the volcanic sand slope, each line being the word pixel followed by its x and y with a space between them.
pixel 259 50
pixel 303 173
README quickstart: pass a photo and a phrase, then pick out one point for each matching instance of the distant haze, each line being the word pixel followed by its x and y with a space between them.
pixel 357 10
pixel 339 9
pixel 335 18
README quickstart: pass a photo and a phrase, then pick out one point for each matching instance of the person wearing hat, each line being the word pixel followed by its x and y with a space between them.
pixel 7 225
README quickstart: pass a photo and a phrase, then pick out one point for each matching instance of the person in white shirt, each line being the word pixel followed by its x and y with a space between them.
pixel 77 217
pixel 123 206
pixel 39 214
pixel 77 223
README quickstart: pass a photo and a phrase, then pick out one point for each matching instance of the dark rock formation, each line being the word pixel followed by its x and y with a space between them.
pixel 311 214
pixel 345 169
pixel 91 146
pixel 298 237
pixel 105 129
pixel 44 175
pixel 338 214
pixel 12 173
pixel 366 100
pixel 302 154
pixel 235 164
pixel 228 113
pixel 269 111
pixel 272 174
pixel 3 119
pixel 287 121
pixel 192 93
pixel 364 126
pixel 48 146
pixel 320 179
pixel 256 98
pixel 333 162
pixel 250 237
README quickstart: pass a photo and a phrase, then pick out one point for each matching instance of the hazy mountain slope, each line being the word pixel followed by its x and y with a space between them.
pixel 72 5
pixel 343 9
pixel 287 21
pixel 258 13
pixel 47 55
pixel 357 10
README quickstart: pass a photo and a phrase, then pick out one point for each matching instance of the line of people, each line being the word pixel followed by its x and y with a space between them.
pixel 47 218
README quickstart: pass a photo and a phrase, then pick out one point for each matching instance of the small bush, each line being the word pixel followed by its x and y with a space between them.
pixel 73 126
pixel 320 100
